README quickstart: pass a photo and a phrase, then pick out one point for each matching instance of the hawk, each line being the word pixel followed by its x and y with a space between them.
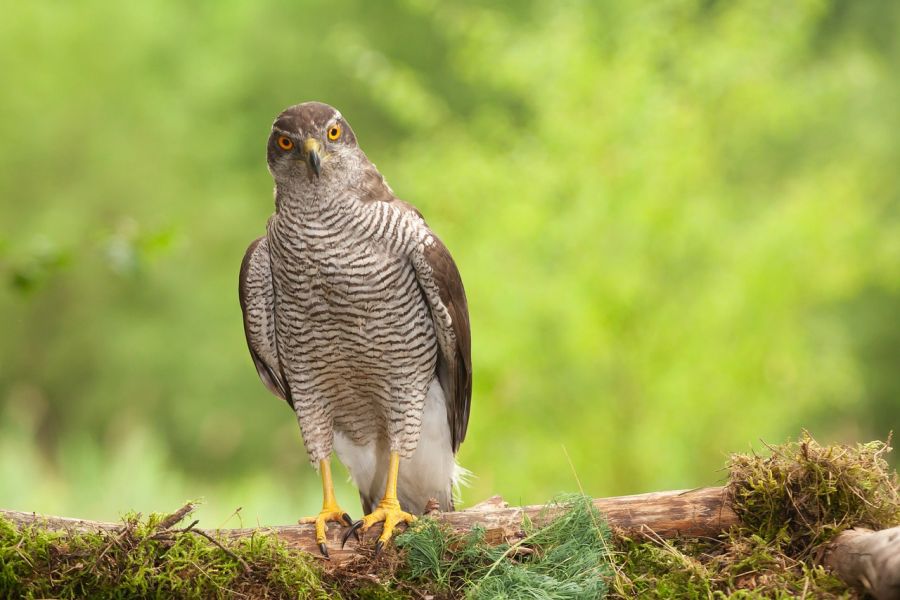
pixel 355 314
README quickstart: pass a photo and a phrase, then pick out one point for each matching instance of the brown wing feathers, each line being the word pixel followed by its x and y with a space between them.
pixel 255 292
pixel 454 372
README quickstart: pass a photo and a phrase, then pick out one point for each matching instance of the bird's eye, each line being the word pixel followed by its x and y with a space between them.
pixel 334 132
pixel 285 143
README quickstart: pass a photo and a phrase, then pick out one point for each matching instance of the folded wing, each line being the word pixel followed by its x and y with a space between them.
pixel 454 367
pixel 257 296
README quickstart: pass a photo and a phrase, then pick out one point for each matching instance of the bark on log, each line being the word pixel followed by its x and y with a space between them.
pixel 695 513
pixel 869 560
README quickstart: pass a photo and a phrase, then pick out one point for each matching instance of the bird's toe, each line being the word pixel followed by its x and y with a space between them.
pixel 354 531
pixel 336 515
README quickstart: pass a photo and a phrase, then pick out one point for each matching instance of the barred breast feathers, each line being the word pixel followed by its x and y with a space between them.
pixel 367 212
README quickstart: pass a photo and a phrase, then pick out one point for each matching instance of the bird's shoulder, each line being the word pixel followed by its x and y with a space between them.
pixel 373 188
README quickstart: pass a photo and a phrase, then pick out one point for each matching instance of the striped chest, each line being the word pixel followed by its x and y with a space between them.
pixel 352 324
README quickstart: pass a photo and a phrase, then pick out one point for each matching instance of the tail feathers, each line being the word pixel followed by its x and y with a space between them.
pixel 461 477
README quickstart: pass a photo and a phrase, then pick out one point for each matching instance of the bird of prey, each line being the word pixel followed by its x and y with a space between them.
pixel 355 314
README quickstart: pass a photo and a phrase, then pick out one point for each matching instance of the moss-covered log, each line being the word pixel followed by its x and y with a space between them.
pixel 768 533
pixel 865 559
pixel 702 512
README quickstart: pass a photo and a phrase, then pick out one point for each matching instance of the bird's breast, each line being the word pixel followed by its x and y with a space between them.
pixel 353 329
pixel 333 284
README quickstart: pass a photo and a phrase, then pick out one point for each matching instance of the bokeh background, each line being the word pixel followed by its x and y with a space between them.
pixel 678 223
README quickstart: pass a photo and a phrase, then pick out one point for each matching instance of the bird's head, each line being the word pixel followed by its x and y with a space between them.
pixel 310 145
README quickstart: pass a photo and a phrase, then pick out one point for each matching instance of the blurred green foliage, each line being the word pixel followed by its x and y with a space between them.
pixel 678 223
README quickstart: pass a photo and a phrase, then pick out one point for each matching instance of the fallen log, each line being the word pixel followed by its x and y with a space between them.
pixel 701 512
pixel 869 560
pixel 865 559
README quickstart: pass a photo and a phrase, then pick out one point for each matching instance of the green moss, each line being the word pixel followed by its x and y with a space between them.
pixel 734 567
pixel 567 558
pixel 140 561
pixel 790 502
pixel 376 592
pixel 661 570
pixel 803 493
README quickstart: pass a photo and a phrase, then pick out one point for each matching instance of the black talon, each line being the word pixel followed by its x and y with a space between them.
pixel 352 531
pixel 324 550
pixel 350 523
pixel 379 546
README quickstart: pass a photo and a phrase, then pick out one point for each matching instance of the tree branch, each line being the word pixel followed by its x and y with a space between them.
pixel 869 560
pixel 701 512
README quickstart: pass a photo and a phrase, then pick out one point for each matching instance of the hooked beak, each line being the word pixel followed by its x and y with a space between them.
pixel 312 152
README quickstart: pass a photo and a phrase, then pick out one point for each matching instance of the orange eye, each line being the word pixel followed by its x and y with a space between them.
pixel 334 132
pixel 285 143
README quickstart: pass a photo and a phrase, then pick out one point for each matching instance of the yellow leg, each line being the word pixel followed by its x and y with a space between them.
pixel 388 510
pixel 330 509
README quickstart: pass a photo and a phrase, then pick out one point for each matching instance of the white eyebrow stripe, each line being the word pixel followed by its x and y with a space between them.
pixel 337 117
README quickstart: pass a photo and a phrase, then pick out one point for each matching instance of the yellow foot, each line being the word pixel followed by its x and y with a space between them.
pixel 336 514
pixel 388 512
